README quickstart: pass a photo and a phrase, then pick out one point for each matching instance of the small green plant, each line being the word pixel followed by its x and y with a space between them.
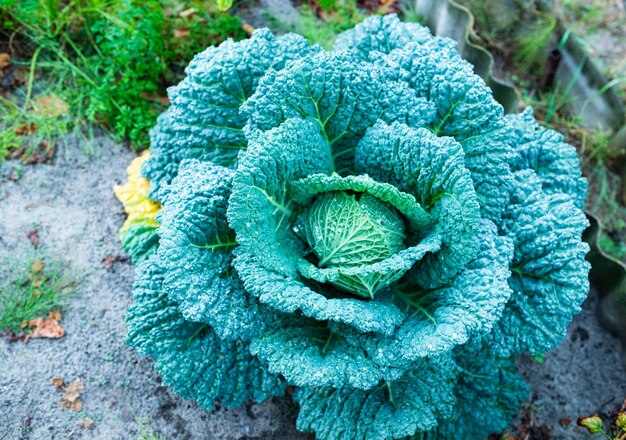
pixel 533 41
pixel 31 133
pixel 38 289
pixel 595 424
pixel 514 31
pixel 147 433
pixel 109 61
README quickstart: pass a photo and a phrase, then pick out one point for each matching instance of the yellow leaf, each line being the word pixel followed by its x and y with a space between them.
pixel 134 195
pixel 224 5
pixel 5 60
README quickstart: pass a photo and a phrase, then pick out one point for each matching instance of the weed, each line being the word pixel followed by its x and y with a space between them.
pixel 533 42
pixel 34 291
pixel 147 433
pixel 30 133
pixel 610 426
pixel 109 61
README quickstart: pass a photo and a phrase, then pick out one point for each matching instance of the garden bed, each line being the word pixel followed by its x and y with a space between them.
pixel 71 204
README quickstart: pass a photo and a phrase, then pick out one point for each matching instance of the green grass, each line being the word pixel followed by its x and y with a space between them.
pixel 147 433
pixel 109 61
pixel 533 42
pixel 31 292
pixel 323 27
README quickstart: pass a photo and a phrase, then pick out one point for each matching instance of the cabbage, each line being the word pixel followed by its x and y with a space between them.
pixel 365 225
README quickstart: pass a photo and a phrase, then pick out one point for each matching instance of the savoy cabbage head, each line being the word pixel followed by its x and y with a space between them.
pixel 365 225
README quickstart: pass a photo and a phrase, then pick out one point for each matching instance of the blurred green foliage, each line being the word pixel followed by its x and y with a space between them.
pixel 320 22
pixel 110 61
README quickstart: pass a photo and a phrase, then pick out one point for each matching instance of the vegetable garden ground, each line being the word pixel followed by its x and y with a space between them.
pixel 59 224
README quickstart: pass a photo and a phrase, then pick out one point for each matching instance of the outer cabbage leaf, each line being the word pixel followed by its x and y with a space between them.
pixel 309 353
pixel 384 34
pixel 391 410
pixel 203 121
pixel 543 150
pixel 489 392
pixel 139 239
pixel 196 253
pixel 190 357
pixel 549 271
pixel 342 95
pixel 433 170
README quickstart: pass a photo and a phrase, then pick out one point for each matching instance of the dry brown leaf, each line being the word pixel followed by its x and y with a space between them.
pixel 33 236
pixel 58 383
pixel 37 266
pixel 71 398
pixel 49 327
pixel 108 261
pixel 27 129
pixel 190 12
pixel 86 423
pixel 247 28
pixel 5 60
pixel 111 259
pixel 181 33
pixel 55 314
pixel 50 105
pixel 37 281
